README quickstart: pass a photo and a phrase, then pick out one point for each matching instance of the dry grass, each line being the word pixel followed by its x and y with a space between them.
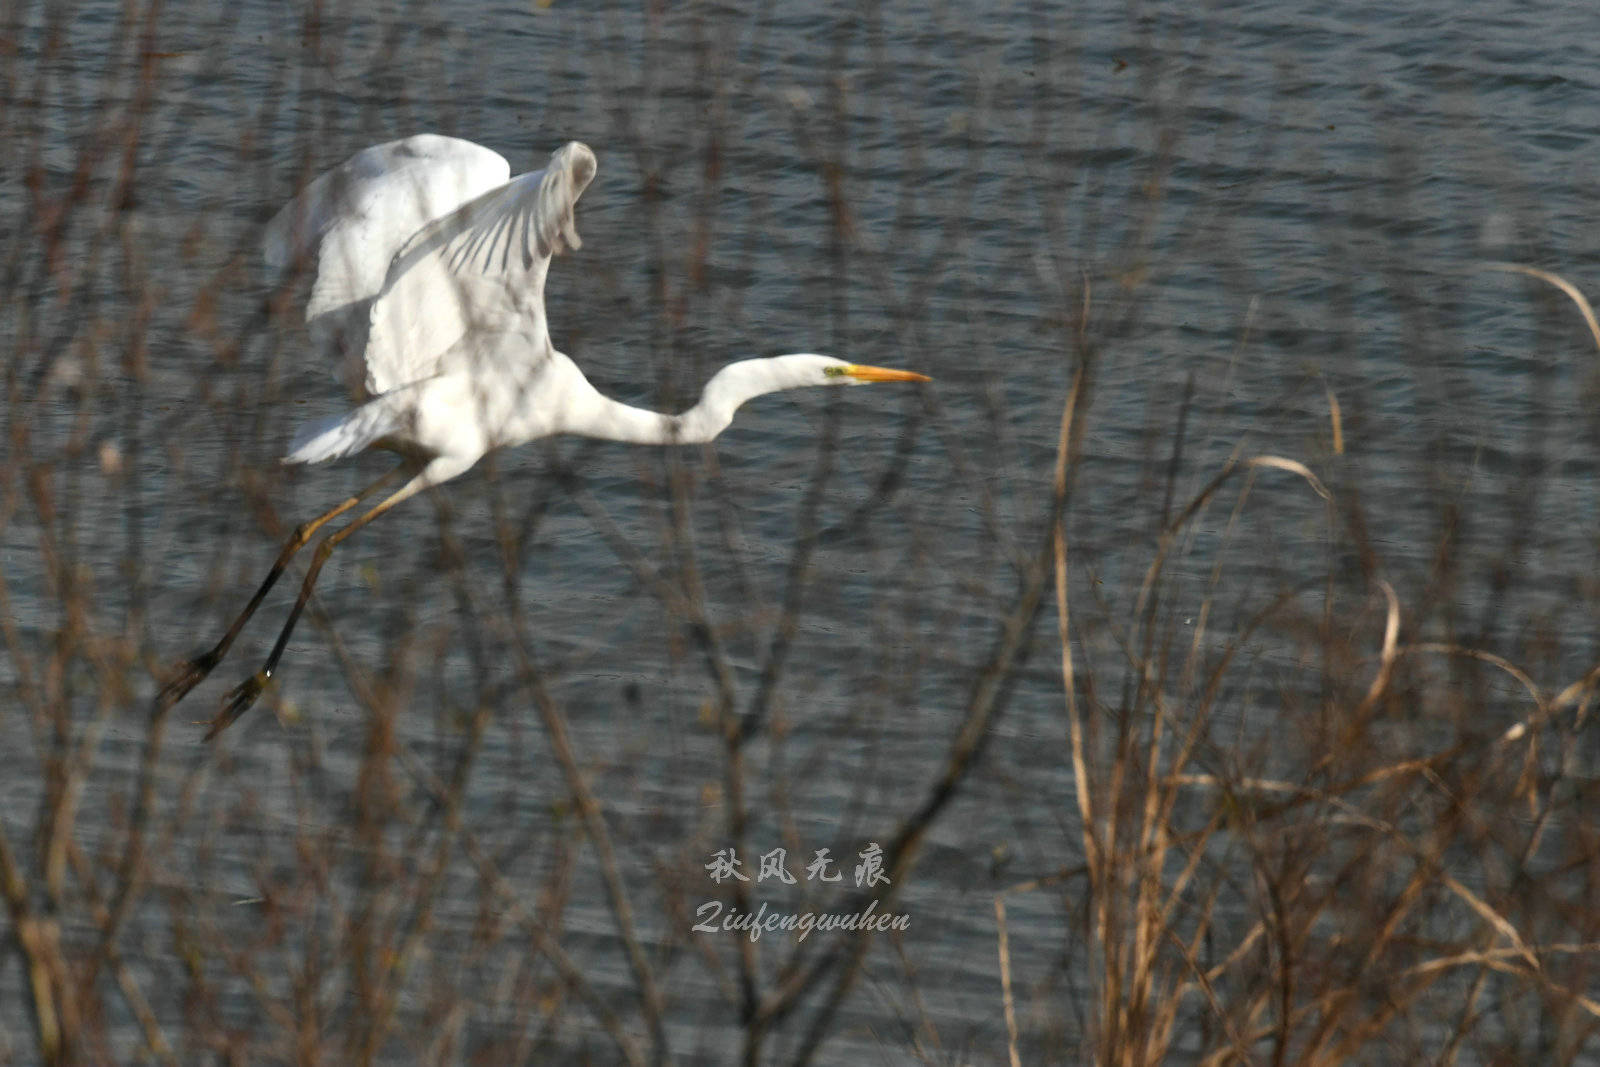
pixel 1391 904
pixel 1282 793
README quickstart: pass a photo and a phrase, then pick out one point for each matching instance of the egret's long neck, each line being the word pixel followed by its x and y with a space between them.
pixel 724 393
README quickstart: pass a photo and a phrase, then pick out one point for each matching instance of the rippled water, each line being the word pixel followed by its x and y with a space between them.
pixel 1269 205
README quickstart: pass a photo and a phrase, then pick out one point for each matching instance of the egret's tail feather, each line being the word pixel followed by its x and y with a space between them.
pixel 343 435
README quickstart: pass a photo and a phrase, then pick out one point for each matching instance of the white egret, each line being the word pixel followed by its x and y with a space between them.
pixel 430 264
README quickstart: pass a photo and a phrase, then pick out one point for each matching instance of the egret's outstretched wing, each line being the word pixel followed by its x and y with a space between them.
pixel 356 217
pixel 479 269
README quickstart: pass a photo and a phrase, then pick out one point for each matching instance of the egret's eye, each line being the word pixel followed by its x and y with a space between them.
pixel 834 371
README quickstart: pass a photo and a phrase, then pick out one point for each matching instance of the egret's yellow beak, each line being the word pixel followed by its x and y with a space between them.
pixel 884 374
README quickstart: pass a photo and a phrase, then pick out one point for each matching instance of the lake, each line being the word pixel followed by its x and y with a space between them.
pixel 490 809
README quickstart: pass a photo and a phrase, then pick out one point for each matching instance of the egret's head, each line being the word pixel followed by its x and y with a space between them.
pixel 838 372
pixel 738 382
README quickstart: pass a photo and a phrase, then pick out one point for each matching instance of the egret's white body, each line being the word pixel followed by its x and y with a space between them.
pixel 430 262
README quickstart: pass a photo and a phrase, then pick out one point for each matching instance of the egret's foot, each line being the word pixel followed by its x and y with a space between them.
pixel 239 702
pixel 185 676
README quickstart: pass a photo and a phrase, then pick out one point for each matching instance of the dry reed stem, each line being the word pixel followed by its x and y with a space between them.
pixel 1388 655
pixel 1202 498
pixel 1138 1002
pixel 1335 421
pixel 1203 982
pixel 1080 770
pixel 1029 886
pixel 1131 975
pixel 1005 979
pixel 1560 283
pixel 54 1015
pixel 1474 902
pixel 1576 695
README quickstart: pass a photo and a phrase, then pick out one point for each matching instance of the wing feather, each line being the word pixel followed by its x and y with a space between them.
pixel 480 267
pixel 357 216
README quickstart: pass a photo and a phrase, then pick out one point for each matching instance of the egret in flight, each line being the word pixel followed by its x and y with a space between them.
pixel 430 264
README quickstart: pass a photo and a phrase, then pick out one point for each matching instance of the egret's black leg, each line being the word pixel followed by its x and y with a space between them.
pixel 192 672
pixel 239 700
